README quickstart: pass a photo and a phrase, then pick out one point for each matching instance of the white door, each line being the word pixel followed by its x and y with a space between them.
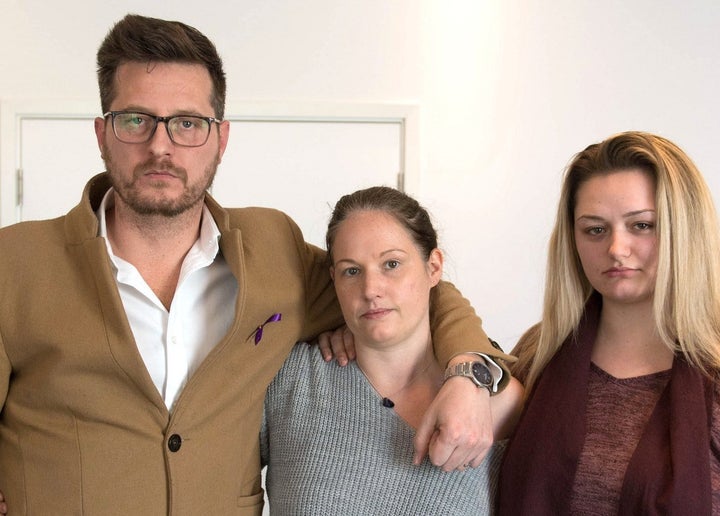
pixel 299 164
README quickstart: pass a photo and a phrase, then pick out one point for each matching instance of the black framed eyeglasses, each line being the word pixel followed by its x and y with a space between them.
pixel 183 130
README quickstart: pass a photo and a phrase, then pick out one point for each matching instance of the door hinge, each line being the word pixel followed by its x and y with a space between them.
pixel 19 187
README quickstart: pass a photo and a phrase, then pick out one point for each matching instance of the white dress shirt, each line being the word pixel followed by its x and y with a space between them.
pixel 174 343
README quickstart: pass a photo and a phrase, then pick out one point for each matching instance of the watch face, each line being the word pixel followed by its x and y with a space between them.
pixel 482 374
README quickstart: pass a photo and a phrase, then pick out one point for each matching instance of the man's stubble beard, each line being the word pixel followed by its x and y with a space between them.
pixel 134 199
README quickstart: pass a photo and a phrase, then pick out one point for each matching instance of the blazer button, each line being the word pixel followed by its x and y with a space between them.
pixel 174 442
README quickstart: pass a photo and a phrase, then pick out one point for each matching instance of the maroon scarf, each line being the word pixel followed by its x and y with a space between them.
pixel 669 471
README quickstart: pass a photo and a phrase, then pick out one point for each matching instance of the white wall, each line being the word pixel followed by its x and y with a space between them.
pixel 508 91
pixel 514 88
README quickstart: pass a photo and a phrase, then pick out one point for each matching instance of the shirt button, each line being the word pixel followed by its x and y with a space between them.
pixel 174 442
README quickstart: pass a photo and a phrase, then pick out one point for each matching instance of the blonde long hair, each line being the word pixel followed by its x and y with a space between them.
pixel 686 301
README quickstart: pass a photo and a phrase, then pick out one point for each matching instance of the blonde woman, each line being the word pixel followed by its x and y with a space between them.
pixel 621 373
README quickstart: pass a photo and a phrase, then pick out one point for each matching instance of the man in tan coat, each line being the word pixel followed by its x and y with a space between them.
pixel 138 333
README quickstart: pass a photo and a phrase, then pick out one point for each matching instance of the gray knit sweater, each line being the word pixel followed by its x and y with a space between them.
pixel 332 449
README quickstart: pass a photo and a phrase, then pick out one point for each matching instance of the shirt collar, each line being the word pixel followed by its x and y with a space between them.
pixel 207 243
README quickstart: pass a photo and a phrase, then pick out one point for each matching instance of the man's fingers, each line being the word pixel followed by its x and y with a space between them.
pixel 325 346
pixel 338 344
pixel 454 450
pixel 421 442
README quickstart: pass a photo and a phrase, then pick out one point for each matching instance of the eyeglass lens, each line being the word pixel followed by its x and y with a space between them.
pixel 191 131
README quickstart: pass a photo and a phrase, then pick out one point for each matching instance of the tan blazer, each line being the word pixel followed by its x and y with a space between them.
pixel 83 429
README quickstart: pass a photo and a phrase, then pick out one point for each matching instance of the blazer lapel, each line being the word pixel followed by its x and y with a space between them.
pixel 120 338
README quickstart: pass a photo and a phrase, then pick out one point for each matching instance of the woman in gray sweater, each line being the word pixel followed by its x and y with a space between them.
pixel 338 440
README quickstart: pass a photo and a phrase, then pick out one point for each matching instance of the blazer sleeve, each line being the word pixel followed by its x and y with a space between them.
pixel 5 370
pixel 456 329
pixel 525 351
pixel 322 310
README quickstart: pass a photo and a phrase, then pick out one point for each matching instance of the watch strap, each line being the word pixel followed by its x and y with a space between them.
pixel 477 371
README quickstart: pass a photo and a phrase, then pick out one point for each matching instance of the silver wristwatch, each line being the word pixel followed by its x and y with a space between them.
pixel 477 371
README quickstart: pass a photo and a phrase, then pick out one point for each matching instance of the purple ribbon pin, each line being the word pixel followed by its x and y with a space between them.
pixel 259 331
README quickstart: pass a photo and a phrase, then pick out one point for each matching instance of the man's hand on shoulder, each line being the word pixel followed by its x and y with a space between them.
pixel 338 344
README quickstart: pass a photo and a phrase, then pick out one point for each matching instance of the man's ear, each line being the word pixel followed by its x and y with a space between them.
pixel 100 134
pixel 224 133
